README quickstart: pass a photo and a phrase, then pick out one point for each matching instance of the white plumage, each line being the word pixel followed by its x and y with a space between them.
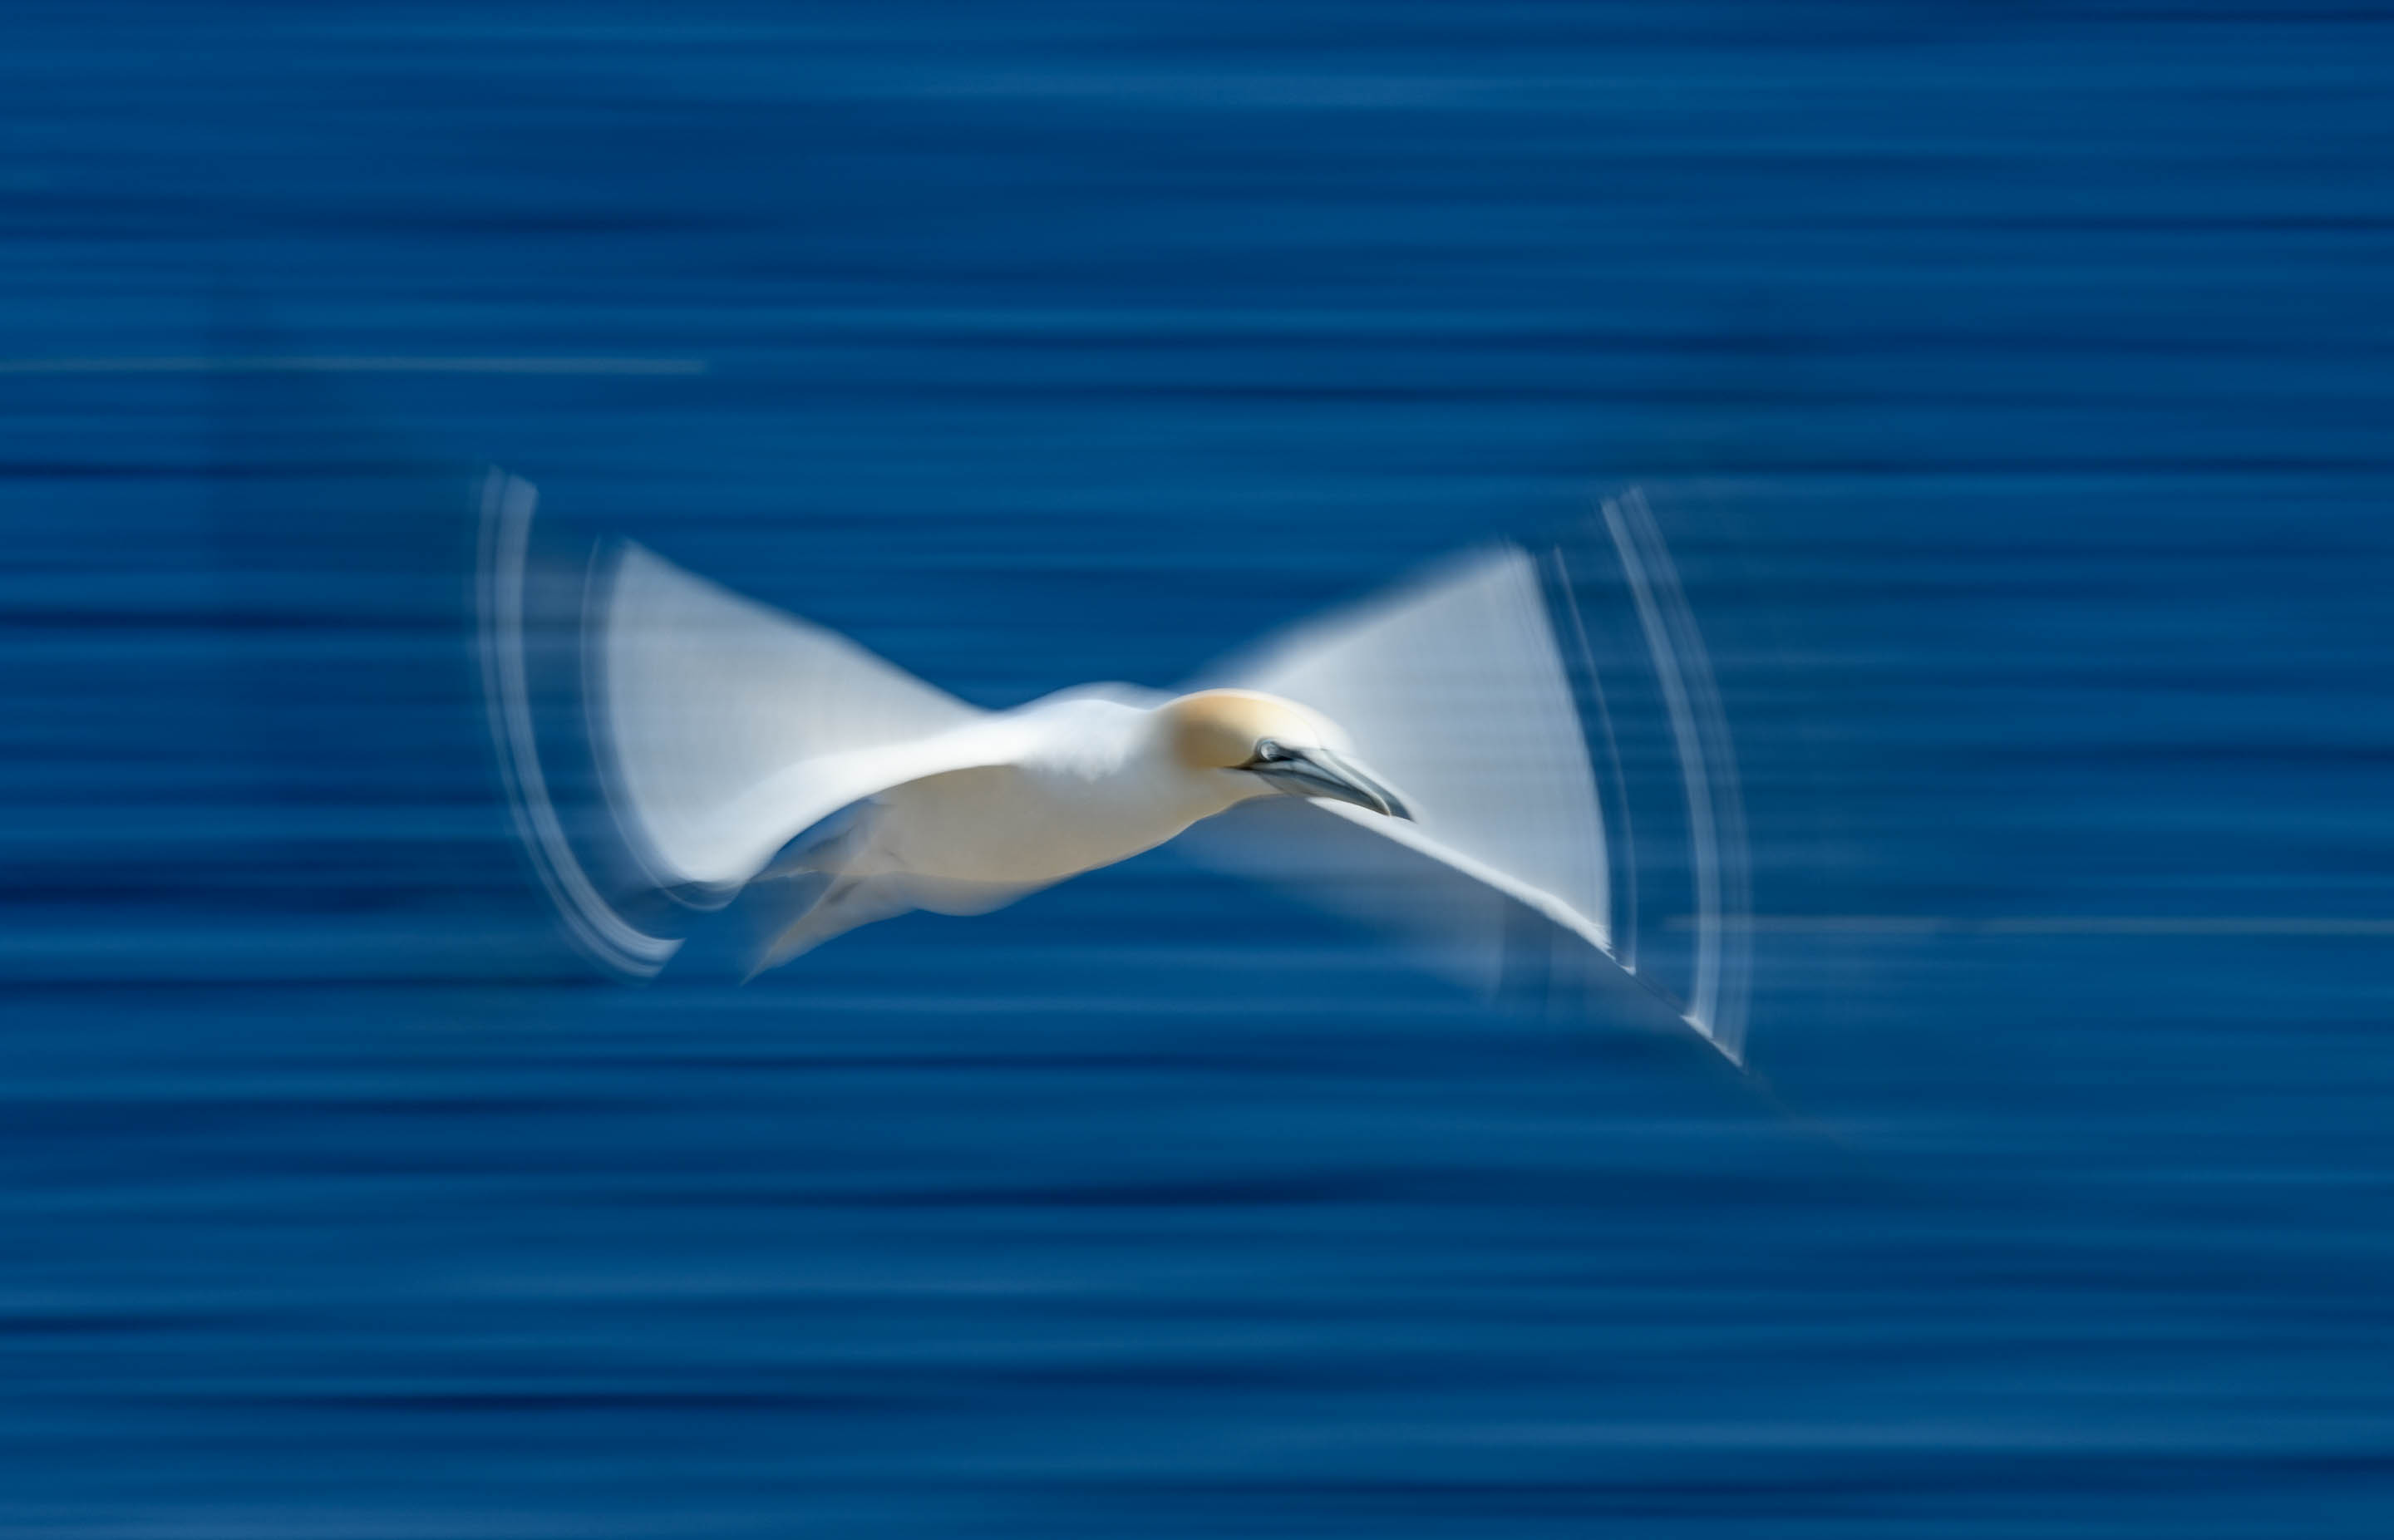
pixel 744 753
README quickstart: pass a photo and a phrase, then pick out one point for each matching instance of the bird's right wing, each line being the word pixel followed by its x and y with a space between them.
pixel 663 737
pixel 1549 716
pixel 732 725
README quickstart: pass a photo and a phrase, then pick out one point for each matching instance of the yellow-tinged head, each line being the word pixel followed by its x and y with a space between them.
pixel 1221 729
pixel 1278 742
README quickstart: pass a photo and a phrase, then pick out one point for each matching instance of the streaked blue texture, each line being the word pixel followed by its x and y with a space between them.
pixel 2012 381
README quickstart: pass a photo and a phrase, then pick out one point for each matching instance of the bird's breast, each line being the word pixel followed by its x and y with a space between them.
pixel 1025 825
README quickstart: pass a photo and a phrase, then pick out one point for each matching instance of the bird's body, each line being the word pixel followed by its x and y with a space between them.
pixel 1096 782
pixel 1076 782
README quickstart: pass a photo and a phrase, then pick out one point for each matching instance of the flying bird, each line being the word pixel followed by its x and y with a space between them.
pixel 1484 760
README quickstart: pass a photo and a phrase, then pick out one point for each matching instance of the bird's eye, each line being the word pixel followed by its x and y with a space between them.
pixel 1268 753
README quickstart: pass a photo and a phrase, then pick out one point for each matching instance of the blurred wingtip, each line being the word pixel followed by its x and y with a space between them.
pixel 512 623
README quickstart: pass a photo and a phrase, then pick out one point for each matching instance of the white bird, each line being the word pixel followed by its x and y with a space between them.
pixel 745 753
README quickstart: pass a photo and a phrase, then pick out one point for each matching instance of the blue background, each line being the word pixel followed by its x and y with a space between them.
pixel 2011 381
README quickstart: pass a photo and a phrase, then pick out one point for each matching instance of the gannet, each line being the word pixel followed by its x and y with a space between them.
pixel 746 759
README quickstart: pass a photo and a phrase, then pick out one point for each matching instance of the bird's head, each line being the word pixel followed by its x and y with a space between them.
pixel 1276 743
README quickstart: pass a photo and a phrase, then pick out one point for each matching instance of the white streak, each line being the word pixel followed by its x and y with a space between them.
pixel 366 363
pixel 2056 925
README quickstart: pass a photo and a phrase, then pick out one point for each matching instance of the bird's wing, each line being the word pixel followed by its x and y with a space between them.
pixel 734 724
pixel 662 737
pixel 1549 717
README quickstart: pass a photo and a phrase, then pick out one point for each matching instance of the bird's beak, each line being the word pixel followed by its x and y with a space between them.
pixel 1318 772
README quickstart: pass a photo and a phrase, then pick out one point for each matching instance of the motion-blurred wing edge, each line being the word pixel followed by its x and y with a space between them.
pixel 502 590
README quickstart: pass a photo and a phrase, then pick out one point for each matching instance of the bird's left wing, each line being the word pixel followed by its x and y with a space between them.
pixel 1547 714
pixel 663 737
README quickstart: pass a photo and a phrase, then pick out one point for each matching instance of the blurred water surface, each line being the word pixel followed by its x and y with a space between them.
pixel 2013 387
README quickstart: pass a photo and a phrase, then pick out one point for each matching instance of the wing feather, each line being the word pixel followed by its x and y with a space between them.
pixel 730 724
pixel 1549 718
